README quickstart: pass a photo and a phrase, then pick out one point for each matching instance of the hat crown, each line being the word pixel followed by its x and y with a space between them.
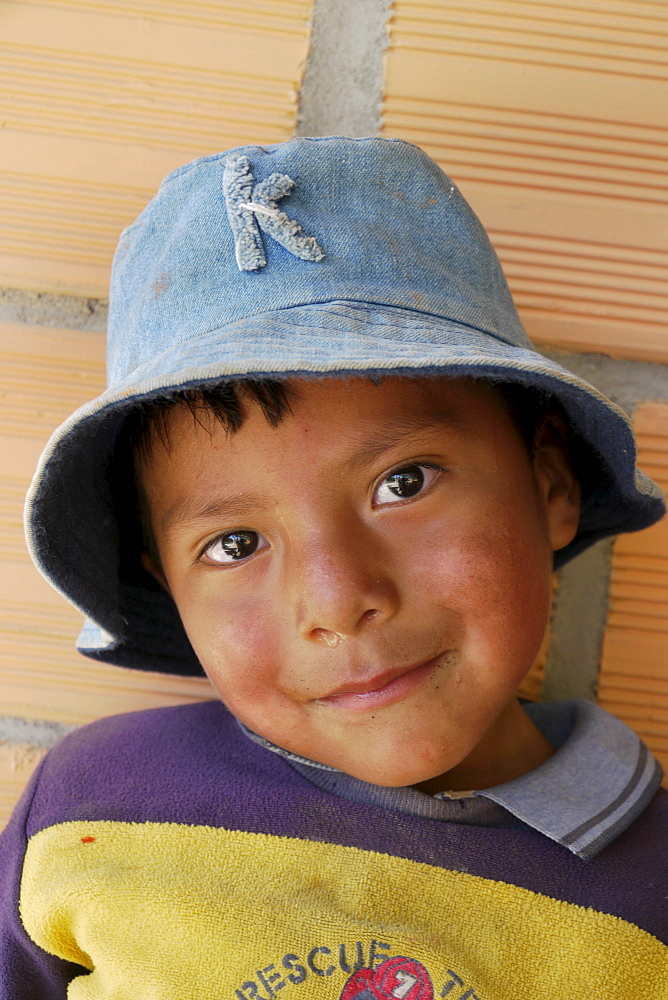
pixel 377 221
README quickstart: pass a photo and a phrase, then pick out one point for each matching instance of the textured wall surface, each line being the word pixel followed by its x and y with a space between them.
pixel 552 119
pixel 101 99
pixel 633 682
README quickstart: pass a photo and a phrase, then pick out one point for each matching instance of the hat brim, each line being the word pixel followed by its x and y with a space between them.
pixel 71 526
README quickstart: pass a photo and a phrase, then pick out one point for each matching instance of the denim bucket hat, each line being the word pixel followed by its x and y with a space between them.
pixel 315 257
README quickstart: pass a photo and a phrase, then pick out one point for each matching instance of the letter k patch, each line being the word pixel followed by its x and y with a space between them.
pixel 251 207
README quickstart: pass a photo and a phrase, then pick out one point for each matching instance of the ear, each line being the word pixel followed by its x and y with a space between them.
pixel 556 479
pixel 148 562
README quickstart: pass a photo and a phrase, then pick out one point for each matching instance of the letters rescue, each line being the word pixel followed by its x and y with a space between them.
pixel 366 974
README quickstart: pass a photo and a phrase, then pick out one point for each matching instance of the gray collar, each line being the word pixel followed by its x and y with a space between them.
pixel 598 781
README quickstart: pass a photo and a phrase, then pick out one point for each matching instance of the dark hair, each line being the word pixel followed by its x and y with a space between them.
pixel 225 401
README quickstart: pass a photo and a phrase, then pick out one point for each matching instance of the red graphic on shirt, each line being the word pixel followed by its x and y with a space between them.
pixel 397 978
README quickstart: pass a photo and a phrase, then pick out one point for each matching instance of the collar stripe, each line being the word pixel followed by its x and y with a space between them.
pixel 630 787
pixel 608 834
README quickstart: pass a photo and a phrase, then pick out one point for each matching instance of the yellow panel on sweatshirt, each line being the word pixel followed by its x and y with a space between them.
pixel 552 119
pixel 45 374
pixel 633 682
pixel 99 99
pixel 197 912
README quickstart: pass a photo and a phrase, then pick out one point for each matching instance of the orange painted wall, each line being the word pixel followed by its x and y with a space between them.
pixel 101 98
pixel 634 667
pixel 552 119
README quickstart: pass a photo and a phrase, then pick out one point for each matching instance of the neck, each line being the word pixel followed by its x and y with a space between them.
pixel 511 747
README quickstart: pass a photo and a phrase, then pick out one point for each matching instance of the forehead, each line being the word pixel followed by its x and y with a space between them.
pixel 318 406
pixel 334 425
pixel 342 411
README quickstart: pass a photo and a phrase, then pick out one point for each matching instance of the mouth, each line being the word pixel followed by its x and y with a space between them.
pixel 381 689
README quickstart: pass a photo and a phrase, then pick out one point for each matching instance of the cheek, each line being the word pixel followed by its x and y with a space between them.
pixel 497 581
pixel 237 645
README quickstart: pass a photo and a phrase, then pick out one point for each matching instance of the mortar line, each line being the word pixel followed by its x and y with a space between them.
pixel 72 312
pixel 579 618
pixel 35 732
pixel 628 383
pixel 342 87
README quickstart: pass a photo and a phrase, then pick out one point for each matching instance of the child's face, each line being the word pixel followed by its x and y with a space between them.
pixel 368 583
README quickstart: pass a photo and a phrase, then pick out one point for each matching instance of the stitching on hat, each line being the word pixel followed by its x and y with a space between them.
pixel 251 207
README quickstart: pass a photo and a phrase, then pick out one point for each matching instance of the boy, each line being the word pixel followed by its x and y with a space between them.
pixel 331 472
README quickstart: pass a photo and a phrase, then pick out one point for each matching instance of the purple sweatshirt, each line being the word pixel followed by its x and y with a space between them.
pixel 162 855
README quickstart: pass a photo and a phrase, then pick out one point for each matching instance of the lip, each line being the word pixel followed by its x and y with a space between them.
pixel 382 689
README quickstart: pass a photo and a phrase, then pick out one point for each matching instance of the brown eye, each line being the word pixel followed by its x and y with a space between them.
pixel 404 483
pixel 235 546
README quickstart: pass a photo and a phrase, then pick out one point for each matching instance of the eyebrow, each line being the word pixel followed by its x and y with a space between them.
pixel 396 430
pixel 186 511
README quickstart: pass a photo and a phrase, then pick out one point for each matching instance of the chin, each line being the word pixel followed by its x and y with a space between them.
pixel 393 776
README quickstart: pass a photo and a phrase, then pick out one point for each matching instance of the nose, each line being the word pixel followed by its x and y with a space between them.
pixel 341 586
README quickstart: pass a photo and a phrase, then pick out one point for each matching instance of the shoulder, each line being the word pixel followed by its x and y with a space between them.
pixel 132 767
pixel 140 739
pixel 138 732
